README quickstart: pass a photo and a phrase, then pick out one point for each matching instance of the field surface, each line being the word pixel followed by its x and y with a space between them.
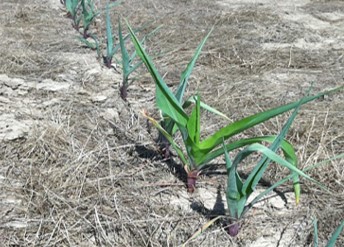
pixel 80 167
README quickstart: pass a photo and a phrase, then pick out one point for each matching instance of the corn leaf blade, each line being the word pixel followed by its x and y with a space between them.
pixel 109 47
pixel 166 101
pixel 335 235
pixel 192 100
pixel 248 122
pixel 194 123
pixel 235 199
pixel 188 70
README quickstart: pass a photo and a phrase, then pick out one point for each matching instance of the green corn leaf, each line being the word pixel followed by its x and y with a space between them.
pixel 134 67
pixel 248 122
pixel 124 51
pixel 94 46
pixel 284 180
pixel 169 123
pixel 316 239
pixel 192 100
pixel 271 156
pixel 69 6
pixel 166 101
pixel 187 72
pixel 72 6
pixel 257 173
pixel 335 235
pixel 279 160
pixel 88 43
pixel 194 123
pixel 109 47
pixel 235 200
pixel 287 148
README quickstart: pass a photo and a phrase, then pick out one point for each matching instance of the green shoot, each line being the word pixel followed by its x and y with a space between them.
pixel 334 237
pixel 238 192
pixel 316 238
pixel 111 48
pixel 89 14
pixel 197 153
pixel 128 65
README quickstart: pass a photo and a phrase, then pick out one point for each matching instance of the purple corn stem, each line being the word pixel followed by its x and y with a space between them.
pixel 191 181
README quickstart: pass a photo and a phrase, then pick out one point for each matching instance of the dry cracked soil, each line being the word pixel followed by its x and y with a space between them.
pixel 80 167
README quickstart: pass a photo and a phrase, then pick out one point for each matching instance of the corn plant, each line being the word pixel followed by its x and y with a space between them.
pixel 111 48
pixel 334 237
pixel 238 192
pixel 197 154
pixel 128 65
pixel 89 14
pixel 167 123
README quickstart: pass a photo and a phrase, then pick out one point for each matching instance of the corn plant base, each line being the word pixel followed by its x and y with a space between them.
pixel 233 228
pixel 191 181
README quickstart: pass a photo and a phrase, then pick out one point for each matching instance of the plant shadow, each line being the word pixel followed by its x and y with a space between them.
pixel 217 210
pixel 175 168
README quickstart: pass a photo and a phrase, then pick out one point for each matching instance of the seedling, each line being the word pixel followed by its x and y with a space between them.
pixel 169 124
pixel 128 65
pixel 197 154
pixel 111 48
pixel 89 13
pixel 238 192
pixel 235 227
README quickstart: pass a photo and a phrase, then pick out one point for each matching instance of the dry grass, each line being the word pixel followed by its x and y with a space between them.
pixel 89 174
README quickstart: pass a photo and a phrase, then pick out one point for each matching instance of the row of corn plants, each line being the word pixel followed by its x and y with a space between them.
pixel 196 154
pixel 83 14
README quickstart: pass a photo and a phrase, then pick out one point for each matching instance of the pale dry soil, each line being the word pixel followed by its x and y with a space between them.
pixel 80 167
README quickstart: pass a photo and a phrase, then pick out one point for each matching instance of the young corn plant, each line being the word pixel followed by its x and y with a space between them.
pixel 111 48
pixel 89 14
pixel 198 153
pixel 239 191
pixel 167 123
pixel 128 60
pixel 234 227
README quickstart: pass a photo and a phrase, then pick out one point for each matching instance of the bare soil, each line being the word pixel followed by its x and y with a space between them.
pixel 80 167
